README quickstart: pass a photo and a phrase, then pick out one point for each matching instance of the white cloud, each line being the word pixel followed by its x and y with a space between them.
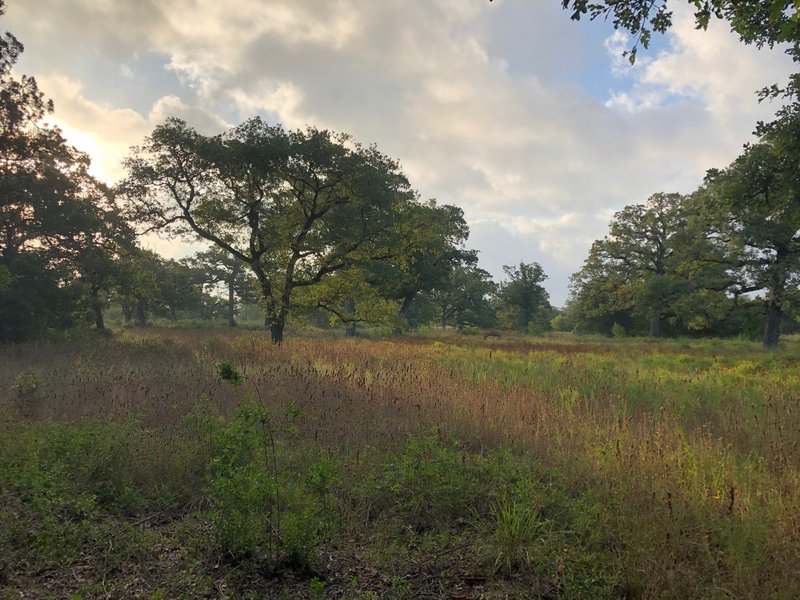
pixel 511 135
pixel 281 98
pixel 104 132
pixel 710 67
pixel 617 45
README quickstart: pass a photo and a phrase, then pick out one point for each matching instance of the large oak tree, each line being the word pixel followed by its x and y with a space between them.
pixel 637 267
pixel 295 206
pixel 752 209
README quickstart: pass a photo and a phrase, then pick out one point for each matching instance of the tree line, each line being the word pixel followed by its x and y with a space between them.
pixel 722 261
pixel 725 259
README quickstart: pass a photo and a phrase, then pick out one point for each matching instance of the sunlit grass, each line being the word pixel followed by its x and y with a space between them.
pixel 674 466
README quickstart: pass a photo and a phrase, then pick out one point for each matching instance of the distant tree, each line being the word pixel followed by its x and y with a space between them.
pixel 5 278
pixel 422 312
pixel 638 267
pixel 599 297
pixel 718 312
pixel 561 322
pixel 179 287
pixel 416 255
pixel 215 266
pixel 147 284
pixel 420 251
pixel 137 285
pixel 524 294
pixel 296 207
pixel 351 299
pixel 99 260
pixel 464 298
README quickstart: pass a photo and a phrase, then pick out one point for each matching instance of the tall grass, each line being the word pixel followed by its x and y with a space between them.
pixel 610 468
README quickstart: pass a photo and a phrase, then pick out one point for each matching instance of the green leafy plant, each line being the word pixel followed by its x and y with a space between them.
pixel 261 510
pixel 316 587
pixel 261 513
pixel 227 372
pixel 252 428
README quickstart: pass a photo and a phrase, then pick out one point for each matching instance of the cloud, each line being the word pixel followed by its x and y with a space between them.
pixel 711 67
pixel 200 118
pixel 106 133
pixel 552 243
pixel 485 105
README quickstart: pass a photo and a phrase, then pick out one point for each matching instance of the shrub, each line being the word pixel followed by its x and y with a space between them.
pixel 26 393
pixel 268 508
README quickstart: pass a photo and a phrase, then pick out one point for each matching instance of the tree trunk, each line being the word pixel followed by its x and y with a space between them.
pixel 772 329
pixel 231 304
pixel 97 308
pixel 444 319
pixel 277 323
pixel 404 308
pixel 350 309
pixel 127 311
pixel 99 322
pixel 525 317
pixel 655 324
pixel 275 314
pixel 141 313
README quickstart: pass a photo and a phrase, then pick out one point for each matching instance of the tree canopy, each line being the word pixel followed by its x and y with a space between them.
pixel 760 22
pixel 422 249
pixel 638 266
pixel 464 298
pixel 700 259
pixel 753 217
pixel 524 294
pixel 295 206
pixel 215 266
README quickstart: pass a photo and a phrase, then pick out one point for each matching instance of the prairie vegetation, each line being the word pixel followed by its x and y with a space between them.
pixel 455 467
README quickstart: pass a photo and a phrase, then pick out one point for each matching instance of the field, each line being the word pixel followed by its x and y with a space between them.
pixel 458 467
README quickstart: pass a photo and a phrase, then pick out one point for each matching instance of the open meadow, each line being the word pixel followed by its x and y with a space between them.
pixel 165 464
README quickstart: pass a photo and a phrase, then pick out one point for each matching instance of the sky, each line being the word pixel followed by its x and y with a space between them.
pixel 533 124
